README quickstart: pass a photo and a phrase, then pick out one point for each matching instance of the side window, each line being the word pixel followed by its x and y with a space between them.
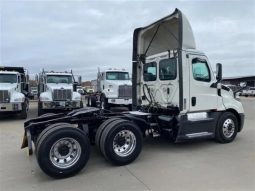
pixel 150 71
pixel 200 70
pixel 167 69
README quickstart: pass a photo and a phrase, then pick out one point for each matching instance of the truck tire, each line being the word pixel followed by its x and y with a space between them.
pixel 40 110
pixel 42 134
pixel 104 103
pixel 92 101
pixel 23 114
pixel 63 151
pixel 227 127
pixel 121 142
pixel 81 104
pixel 101 129
pixel 130 108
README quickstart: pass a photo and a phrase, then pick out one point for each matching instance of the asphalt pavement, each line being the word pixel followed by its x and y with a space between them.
pixel 198 165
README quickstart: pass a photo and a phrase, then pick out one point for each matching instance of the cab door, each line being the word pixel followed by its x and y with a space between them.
pixel 168 91
pixel 160 76
pixel 202 97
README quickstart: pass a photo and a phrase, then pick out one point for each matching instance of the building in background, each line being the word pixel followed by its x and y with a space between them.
pixel 250 80
pixel 87 86
pixel 94 84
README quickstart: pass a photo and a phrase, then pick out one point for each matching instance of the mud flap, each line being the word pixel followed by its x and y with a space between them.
pixel 27 142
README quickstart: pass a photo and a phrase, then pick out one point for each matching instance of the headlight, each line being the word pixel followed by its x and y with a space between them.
pixel 20 99
pixel 44 99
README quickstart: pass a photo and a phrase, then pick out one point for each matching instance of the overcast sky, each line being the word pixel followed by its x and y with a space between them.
pixel 84 35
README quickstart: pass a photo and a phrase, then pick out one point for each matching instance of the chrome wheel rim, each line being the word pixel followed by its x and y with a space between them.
pixel 124 143
pixel 228 128
pixel 65 152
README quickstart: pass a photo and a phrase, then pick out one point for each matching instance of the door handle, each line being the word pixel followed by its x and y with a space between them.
pixel 193 101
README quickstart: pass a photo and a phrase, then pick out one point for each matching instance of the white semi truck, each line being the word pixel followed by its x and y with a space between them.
pixel 114 88
pixel 175 95
pixel 57 92
pixel 14 91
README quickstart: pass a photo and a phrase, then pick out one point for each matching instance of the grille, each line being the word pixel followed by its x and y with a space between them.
pixel 62 95
pixel 125 91
pixel 4 96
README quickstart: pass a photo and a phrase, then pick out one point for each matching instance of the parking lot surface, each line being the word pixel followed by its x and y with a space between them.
pixel 198 165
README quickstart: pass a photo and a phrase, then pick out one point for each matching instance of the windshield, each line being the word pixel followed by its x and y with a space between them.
pixel 59 79
pixel 8 78
pixel 117 76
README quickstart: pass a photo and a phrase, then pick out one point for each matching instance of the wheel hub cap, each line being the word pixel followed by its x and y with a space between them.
pixel 65 152
pixel 121 141
pixel 124 143
pixel 228 128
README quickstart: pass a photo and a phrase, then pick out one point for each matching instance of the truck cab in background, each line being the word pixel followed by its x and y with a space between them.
pixel 34 92
pixel 114 88
pixel 80 90
pixel 14 91
pixel 57 92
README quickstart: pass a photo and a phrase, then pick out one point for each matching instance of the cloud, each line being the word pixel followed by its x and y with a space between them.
pixel 94 13
pixel 85 35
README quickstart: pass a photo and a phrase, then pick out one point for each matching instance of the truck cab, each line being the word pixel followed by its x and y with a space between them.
pixel 13 89
pixel 115 87
pixel 169 72
pixel 57 91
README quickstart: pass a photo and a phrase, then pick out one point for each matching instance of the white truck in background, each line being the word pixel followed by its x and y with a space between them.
pixel 14 91
pixel 114 88
pixel 57 92
pixel 249 91
pixel 34 92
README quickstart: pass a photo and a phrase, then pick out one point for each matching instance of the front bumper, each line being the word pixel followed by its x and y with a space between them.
pixel 61 105
pixel 10 107
pixel 120 101
pixel 242 117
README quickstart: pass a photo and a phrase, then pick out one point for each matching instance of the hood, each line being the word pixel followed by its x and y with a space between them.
pixel 59 86
pixel 8 86
pixel 169 33
pixel 119 82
